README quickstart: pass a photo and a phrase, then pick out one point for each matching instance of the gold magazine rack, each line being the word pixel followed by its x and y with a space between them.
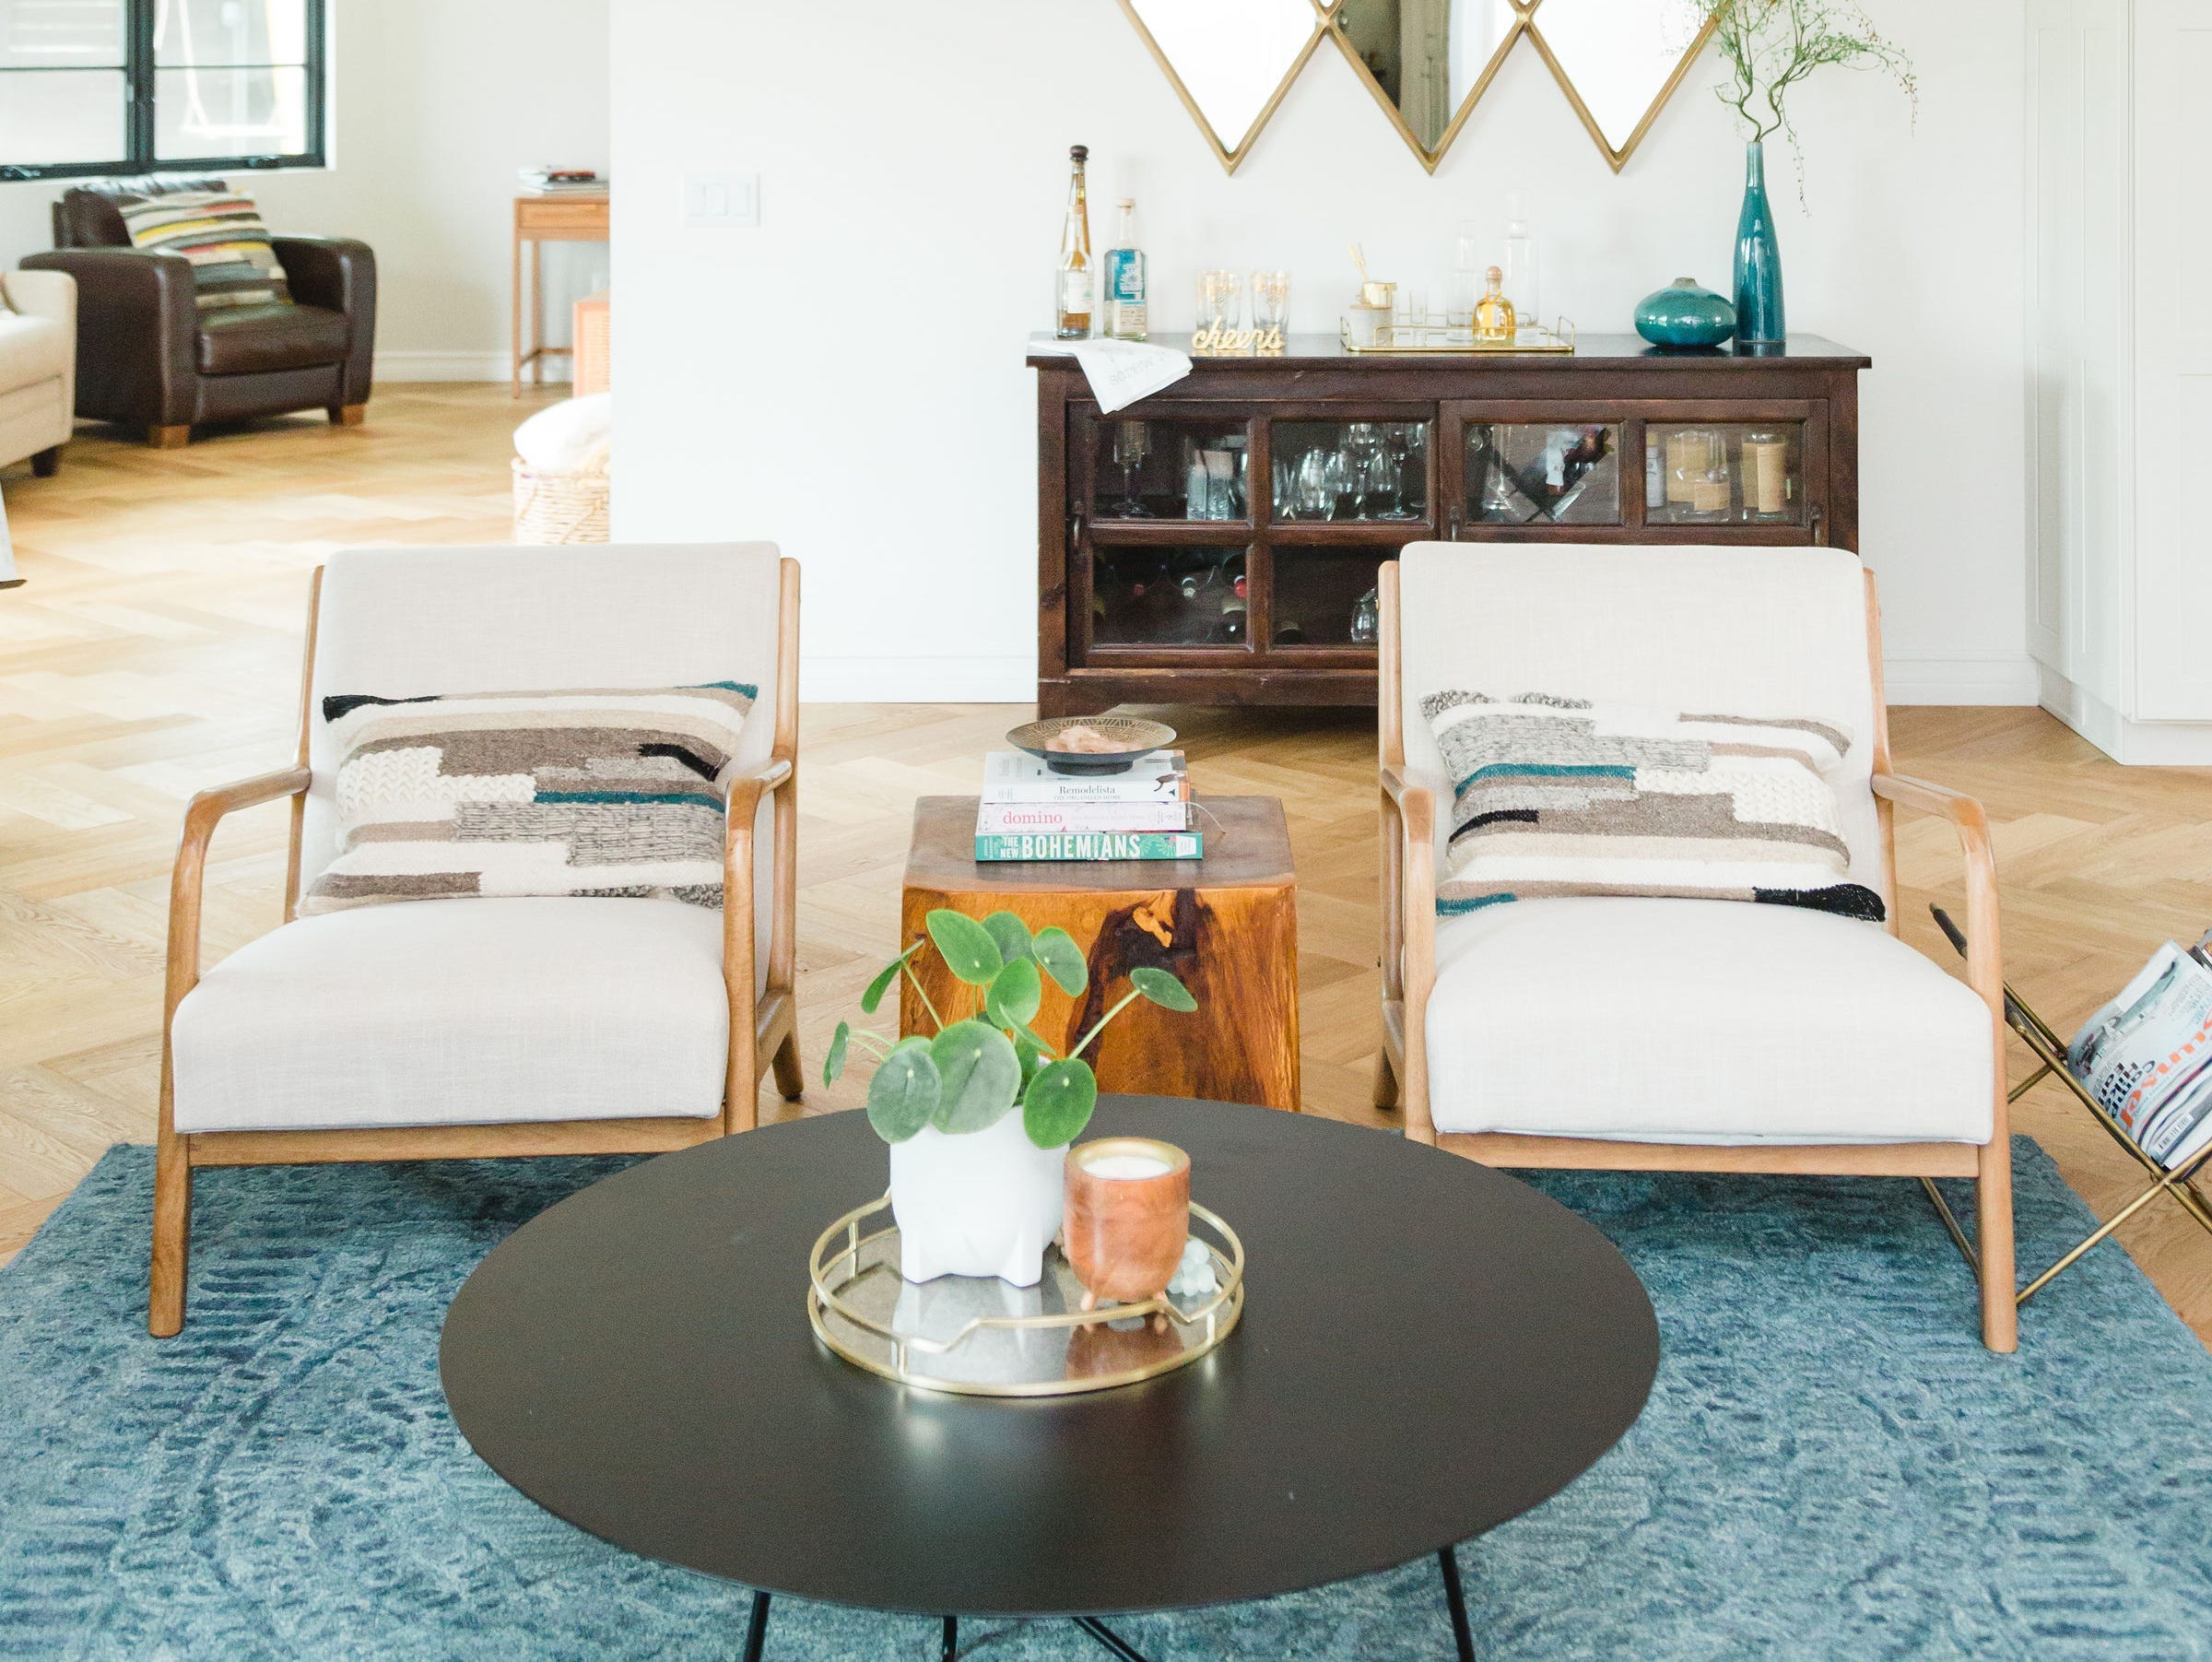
pixel 2050 1051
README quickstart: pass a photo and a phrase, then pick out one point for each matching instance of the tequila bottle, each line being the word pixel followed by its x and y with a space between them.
pixel 1494 312
pixel 1126 318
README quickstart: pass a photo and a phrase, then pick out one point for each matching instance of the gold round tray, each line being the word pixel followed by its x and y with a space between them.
pixel 982 1336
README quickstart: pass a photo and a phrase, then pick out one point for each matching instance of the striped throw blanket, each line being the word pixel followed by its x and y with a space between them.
pixel 586 793
pixel 221 234
pixel 1559 797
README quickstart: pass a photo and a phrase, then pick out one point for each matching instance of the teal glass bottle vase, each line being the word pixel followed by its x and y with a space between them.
pixel 1758 316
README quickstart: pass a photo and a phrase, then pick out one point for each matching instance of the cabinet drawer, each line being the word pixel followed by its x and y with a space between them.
pixel 562 215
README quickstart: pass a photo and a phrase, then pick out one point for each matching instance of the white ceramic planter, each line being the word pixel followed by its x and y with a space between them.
pixel 984 1204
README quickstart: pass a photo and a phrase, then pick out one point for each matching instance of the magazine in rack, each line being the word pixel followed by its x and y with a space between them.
pixel 2147 1057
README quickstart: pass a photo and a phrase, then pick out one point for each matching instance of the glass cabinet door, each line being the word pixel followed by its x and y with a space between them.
pixel 1349 470
pixel 1725 473
pixel 1159 596
pixel 1324 597
pixel 1538 472
pixel 1182 470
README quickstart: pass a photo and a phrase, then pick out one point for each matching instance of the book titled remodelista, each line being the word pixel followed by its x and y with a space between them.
pixel 1157 776
pixel 1094 845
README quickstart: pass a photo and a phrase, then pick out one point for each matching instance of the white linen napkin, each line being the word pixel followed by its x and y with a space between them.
pixel 1120 372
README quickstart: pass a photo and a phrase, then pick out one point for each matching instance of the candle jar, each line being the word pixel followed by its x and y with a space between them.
pixel 1127 1216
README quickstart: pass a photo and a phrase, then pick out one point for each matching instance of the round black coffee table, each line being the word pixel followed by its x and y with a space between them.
pixel 1428 1348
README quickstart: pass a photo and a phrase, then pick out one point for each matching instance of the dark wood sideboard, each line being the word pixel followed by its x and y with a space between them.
pixel 1219 543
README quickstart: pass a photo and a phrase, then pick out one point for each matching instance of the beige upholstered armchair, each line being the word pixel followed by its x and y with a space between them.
pixel 38 367
pixel 484 1026
pixel 1647 1033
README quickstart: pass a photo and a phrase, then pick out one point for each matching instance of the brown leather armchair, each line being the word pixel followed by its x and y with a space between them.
pixel 147 355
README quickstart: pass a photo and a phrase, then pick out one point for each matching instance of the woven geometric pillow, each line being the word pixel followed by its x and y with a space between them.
pixel 1557 796
pixel 593 793
pixel 221 233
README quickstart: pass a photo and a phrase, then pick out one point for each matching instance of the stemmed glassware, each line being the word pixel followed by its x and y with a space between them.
pixel 1132 444
pixel 1363 464
pixel 1400 443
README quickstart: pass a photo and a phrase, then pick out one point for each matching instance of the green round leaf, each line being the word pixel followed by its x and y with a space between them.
pixel 905 1091
pixel 834 1063
pixel 1162 989
pixel 1011 933
pixel 969 952
pixel 1058 1102
pixel 980 1075
pixel 881 984
pixel 1062 961
pixel 1016 994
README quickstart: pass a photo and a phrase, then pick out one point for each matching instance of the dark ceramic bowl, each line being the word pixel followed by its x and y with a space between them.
pixel 1133 738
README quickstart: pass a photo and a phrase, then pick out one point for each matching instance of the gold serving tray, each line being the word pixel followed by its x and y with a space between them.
pixel 981 1336
pixel 1432 338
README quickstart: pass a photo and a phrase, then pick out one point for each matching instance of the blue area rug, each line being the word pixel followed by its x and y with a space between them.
pixel 1830 1467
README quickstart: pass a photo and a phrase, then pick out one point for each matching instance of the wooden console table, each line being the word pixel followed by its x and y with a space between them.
pixel 1219 542
pixel 538 221
pixel 1226 925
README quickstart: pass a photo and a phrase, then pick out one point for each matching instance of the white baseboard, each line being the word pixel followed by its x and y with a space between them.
pixel 1994 680
pixel 2138 743
pixel 831 680
pixel 455 366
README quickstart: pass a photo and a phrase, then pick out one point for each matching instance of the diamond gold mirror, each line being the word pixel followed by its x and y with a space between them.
pixel 1229 61
pixel 1619 64
pixel 1426 61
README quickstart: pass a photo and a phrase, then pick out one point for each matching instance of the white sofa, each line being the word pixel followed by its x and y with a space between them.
pixel 37 366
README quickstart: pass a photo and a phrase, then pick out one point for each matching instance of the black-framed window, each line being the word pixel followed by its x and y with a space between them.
pixel 92 87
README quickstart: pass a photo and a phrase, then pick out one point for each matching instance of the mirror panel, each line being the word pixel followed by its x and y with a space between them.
pixel 1618 63
pixel 1426 61
pixel 1230 61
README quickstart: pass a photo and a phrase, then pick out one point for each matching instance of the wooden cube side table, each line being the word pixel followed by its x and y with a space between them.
pixel 1226 925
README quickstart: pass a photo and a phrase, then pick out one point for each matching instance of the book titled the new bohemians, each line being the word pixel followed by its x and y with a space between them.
pixel 1092 846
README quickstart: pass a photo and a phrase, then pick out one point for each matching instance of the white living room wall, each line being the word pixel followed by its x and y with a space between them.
pixel 433 107
pixel 847 378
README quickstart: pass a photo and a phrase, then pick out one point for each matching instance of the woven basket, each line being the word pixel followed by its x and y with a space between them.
pixel 559 507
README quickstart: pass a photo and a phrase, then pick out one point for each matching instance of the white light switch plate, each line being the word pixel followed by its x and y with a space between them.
pixel 722 200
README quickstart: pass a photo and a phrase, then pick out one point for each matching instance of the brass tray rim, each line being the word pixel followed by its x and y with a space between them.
pixel 1561 344
pixel 1218 1314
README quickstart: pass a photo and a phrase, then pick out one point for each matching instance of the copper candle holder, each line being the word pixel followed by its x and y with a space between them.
pixel 1128 1214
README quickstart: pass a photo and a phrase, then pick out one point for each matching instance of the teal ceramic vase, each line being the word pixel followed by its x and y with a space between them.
pixel 1758 320
pixel 1684 314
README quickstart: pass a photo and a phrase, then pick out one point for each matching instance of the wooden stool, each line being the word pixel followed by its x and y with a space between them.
pixel 1226 925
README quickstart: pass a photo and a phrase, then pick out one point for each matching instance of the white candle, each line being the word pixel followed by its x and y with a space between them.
pixel 1126 1165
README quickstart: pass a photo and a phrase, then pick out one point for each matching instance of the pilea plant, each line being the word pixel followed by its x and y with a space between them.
pixel 971 1073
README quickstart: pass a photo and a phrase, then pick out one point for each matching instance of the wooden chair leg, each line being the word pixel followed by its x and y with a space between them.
pixel 1386 1080
pixel 790 1077
pixel 47 462
pixel 1992 1232
pixel 348 415
pixel 168 438
pixel 172 1237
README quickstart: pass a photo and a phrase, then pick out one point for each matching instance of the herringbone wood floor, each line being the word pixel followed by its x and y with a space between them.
pixel 156 651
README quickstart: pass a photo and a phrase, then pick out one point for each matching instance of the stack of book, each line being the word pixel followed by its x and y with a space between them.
pixel 1028 812
pixel 560 182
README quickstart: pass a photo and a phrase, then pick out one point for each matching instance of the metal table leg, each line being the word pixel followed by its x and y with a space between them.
pixel 952 1639
pixel 1456 1601
pixel 756 1629
pixel 1112 1641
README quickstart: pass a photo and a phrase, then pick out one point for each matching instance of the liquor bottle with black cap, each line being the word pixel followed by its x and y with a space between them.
pixel 1075 283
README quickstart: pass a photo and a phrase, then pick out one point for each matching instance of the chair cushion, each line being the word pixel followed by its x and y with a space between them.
pixel 31 349
pixel 1557 796
pixel 246 341
pixel 1688 1020
pixel 220 232
pixel 600 793
pixel 460 1012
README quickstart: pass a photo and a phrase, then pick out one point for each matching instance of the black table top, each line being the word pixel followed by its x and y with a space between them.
pixel 1428 1348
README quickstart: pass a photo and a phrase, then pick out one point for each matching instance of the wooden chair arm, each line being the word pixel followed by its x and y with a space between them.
pixel 1984 960
pixel 188 879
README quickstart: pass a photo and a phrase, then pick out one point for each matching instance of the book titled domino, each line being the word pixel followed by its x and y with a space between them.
pixel 1094 845
pixel 1047 818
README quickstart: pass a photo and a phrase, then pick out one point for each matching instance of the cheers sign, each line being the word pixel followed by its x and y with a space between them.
pixel 1213 340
